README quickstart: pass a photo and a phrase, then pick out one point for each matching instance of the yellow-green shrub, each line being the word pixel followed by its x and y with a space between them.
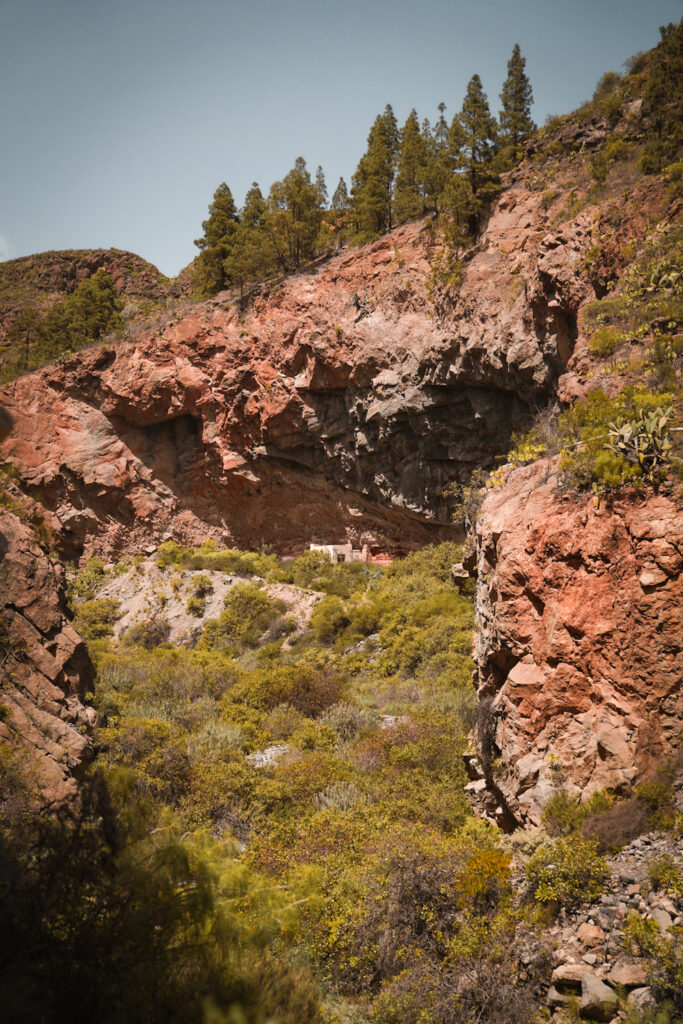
pixel 567 872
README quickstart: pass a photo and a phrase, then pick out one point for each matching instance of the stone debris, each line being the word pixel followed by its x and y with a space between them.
pixel 268 756
pixel 592 962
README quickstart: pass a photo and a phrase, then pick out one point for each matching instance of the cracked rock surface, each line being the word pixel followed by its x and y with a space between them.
pixel 580 637
pixel 45 667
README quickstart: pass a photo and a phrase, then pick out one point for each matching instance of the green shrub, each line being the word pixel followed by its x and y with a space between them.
pixel 248 612
pixel 347 720
pixel 605 341
pixel 283 720
pixel 94 620
pixel 567 872
pixel 311 736
pixel 202 585
pixel 147 634
pixel 340 796
pixel 564 814
pixel 665 874
pixel 658 797
pixel 196 606
pixel 664 953
pixel 86 582
pixel 586 427
pixel 307 689
pixel 329 618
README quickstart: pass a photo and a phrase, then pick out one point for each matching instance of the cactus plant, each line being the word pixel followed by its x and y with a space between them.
pixel 644 441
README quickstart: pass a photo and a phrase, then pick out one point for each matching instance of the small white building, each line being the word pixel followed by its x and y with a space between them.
pixel 343 552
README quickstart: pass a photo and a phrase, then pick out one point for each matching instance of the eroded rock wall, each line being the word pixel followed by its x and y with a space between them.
pixel 339 405
pixel 45 668
pixel 580 638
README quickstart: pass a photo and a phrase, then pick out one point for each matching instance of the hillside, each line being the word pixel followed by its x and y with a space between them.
pixel 436 777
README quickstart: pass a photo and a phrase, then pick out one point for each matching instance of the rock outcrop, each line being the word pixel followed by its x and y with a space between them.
pixel 580 638
pixel 339 405
pixel 45 668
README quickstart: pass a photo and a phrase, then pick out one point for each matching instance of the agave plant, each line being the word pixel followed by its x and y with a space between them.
pixel 643 441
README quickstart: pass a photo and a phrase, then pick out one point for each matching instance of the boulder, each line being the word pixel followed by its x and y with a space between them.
pixel 598 1001
pixel 629 975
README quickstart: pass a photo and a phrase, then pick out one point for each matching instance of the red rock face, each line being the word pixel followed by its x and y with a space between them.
pixel 45 667
pixel 580 637
pixel 339 406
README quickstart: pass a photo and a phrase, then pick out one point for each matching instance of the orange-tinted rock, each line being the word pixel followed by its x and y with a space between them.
pixel 306 419
pixel 580 641
pixel 45 667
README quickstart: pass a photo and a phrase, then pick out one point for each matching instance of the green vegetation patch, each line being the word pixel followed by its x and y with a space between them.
pixel 91 312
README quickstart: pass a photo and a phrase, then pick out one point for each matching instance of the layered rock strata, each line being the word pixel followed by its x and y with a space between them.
pixel 45 668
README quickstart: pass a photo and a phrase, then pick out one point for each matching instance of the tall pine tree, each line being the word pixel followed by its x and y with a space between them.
pixel 340 199
pixel 412 159
pixel 252 255
pixel 474 135
pixel 294 216
pixel 440 164
pixel 215 244
pixel 515 116
pixel 374 177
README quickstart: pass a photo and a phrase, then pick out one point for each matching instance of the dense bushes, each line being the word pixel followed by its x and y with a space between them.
pixel 591 454
pixel 108 913
pixel 248 612
pixel 337 758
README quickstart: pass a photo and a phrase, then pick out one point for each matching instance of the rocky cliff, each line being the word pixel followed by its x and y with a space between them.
pixel 339 404
pixel 45 668
pixel 579 638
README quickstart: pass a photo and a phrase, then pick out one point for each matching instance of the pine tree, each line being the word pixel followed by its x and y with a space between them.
pixel 294 216
pixel 340 199
pixel 516 97
pixel 474 135
pixel 215 243
pixel 321 187
pixel 373 180
pixel 408 201
pixel 440 164
pixel 251 256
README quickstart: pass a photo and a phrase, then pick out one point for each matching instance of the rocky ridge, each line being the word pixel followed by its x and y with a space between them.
pixel 44 278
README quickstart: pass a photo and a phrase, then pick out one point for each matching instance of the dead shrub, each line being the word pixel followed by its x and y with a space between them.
pixel 617 826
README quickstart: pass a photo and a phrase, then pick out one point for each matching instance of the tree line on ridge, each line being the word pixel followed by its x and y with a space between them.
pixel 447 169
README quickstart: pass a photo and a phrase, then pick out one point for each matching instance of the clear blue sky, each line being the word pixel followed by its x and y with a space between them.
pixel 118 118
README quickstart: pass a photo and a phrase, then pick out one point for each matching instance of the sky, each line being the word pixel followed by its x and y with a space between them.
pixel 119 118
